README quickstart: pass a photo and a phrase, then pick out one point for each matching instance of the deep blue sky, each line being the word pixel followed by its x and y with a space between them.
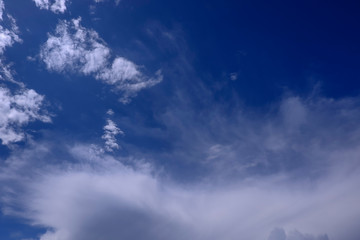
pixel 295 65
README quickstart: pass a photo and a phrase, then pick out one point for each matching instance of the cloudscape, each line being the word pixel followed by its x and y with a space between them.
pixel 158 120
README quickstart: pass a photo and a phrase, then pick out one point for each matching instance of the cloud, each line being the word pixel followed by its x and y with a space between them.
pixel 98 196
pixel 293 166
pixel 301 135
pixel 233 76
pixel 9 35
pixel 56 6
pixel 116 1
pixel 16 111
pixel 76 49
pixel 279 234
pixel 2 7
pixel 110 133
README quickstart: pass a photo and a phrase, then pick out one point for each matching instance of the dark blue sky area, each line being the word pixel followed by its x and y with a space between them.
pixel 271 45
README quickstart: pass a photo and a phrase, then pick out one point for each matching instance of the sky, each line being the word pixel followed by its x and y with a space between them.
pixel 157 120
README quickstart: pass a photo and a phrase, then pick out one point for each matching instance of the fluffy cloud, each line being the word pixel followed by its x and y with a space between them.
pixel 16 111
pixel 56 6
pixel 76 49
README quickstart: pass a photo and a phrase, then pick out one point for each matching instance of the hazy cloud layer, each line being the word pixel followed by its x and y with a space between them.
pixel 96 195
pixel 76 49
pixel 279 234
pixel 56 6
pixel 299 135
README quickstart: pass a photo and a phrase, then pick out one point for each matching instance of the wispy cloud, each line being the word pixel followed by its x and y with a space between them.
pixel 2 7
pixel 56 6
pixel 233 76
pixel 279 234
pixel 116 1
pixel 9 35
pixel 110 132
pixel 76 49
pixel 298 135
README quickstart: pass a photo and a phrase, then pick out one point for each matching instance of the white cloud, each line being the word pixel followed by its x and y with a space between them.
pixel 76 49
pixel 2 7
pixel 94 195
pixel 8 36
pixel 16 111
pixel 56 6
pixel 110 133
pixel 121 69
pixel 99 197
pixel 6 74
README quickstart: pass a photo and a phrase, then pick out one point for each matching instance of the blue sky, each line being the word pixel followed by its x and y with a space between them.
pixel 198 120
